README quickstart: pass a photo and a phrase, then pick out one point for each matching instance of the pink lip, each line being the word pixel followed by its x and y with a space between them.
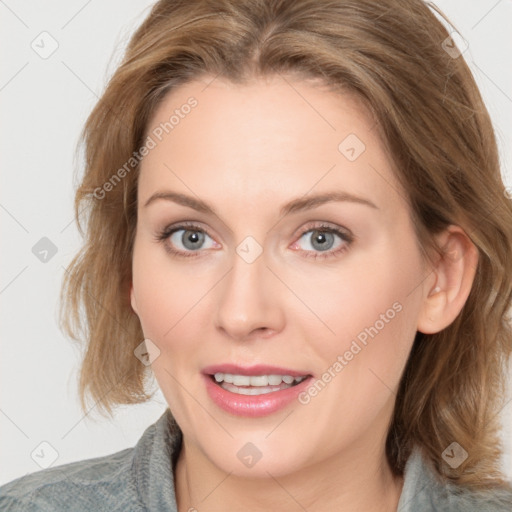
pixel 258 369
pixel 252 406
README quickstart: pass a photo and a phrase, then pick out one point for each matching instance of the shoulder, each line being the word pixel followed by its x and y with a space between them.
pixel 131 480
pixel 458 499
pixel 424 490
pixel 90 484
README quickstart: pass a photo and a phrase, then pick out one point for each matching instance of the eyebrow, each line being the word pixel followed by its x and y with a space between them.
pixel 293 206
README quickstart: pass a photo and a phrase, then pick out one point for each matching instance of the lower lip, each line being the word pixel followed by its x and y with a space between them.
pixel 253 406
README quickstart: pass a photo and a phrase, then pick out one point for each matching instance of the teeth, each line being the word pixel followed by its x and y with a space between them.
pixel 257 380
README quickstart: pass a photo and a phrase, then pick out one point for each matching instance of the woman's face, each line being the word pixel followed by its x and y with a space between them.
pixel 330 290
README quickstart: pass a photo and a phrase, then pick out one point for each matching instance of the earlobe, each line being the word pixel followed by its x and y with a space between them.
pixel 132 300
pixel 453 276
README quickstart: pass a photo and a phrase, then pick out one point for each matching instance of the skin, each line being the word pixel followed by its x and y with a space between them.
pixel 247 150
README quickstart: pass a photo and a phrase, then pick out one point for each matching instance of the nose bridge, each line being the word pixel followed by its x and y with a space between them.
pixel 248 301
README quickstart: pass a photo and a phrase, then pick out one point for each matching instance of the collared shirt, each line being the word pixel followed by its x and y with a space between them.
pixel 141 479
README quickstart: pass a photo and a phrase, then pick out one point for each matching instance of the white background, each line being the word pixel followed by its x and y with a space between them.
pixel 44 105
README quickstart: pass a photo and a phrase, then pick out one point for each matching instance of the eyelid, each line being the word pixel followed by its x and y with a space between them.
pixel 320 225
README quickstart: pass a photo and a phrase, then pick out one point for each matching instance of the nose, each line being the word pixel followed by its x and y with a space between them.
pixel 251 300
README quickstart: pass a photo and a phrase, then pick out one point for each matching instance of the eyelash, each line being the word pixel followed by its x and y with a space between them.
pixel 163 235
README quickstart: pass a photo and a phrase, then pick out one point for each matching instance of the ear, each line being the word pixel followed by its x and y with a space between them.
pixel 447 288
pixel 132 299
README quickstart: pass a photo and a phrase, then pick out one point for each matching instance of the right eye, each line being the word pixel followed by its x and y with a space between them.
pixel 185 240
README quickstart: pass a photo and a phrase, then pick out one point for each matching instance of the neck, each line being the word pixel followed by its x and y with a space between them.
pixel 350 481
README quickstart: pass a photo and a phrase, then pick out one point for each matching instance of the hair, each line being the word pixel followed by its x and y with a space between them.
pixel 433 121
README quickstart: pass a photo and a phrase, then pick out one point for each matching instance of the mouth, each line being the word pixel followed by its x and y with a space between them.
pixel 254 391
pixel 254 385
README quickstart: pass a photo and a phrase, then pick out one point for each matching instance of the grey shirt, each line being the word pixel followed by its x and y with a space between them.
pixel 141 479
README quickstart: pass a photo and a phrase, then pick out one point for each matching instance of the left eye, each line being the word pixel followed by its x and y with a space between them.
pixel 322 240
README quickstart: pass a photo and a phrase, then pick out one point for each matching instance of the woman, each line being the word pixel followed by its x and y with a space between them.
pixel 296 219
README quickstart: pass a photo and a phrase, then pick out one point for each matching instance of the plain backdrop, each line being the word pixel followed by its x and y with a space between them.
pixel 45 100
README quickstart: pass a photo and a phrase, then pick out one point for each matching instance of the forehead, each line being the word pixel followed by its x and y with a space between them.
pixel 274 138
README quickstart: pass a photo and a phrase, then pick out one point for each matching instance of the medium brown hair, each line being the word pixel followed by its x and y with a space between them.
pixel 431 117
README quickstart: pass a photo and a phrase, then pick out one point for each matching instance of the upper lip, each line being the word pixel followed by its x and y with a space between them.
pixel 258 369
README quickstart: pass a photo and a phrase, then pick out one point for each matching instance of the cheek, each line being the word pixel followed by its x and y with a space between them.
pixel 163 294
pixel 369 310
